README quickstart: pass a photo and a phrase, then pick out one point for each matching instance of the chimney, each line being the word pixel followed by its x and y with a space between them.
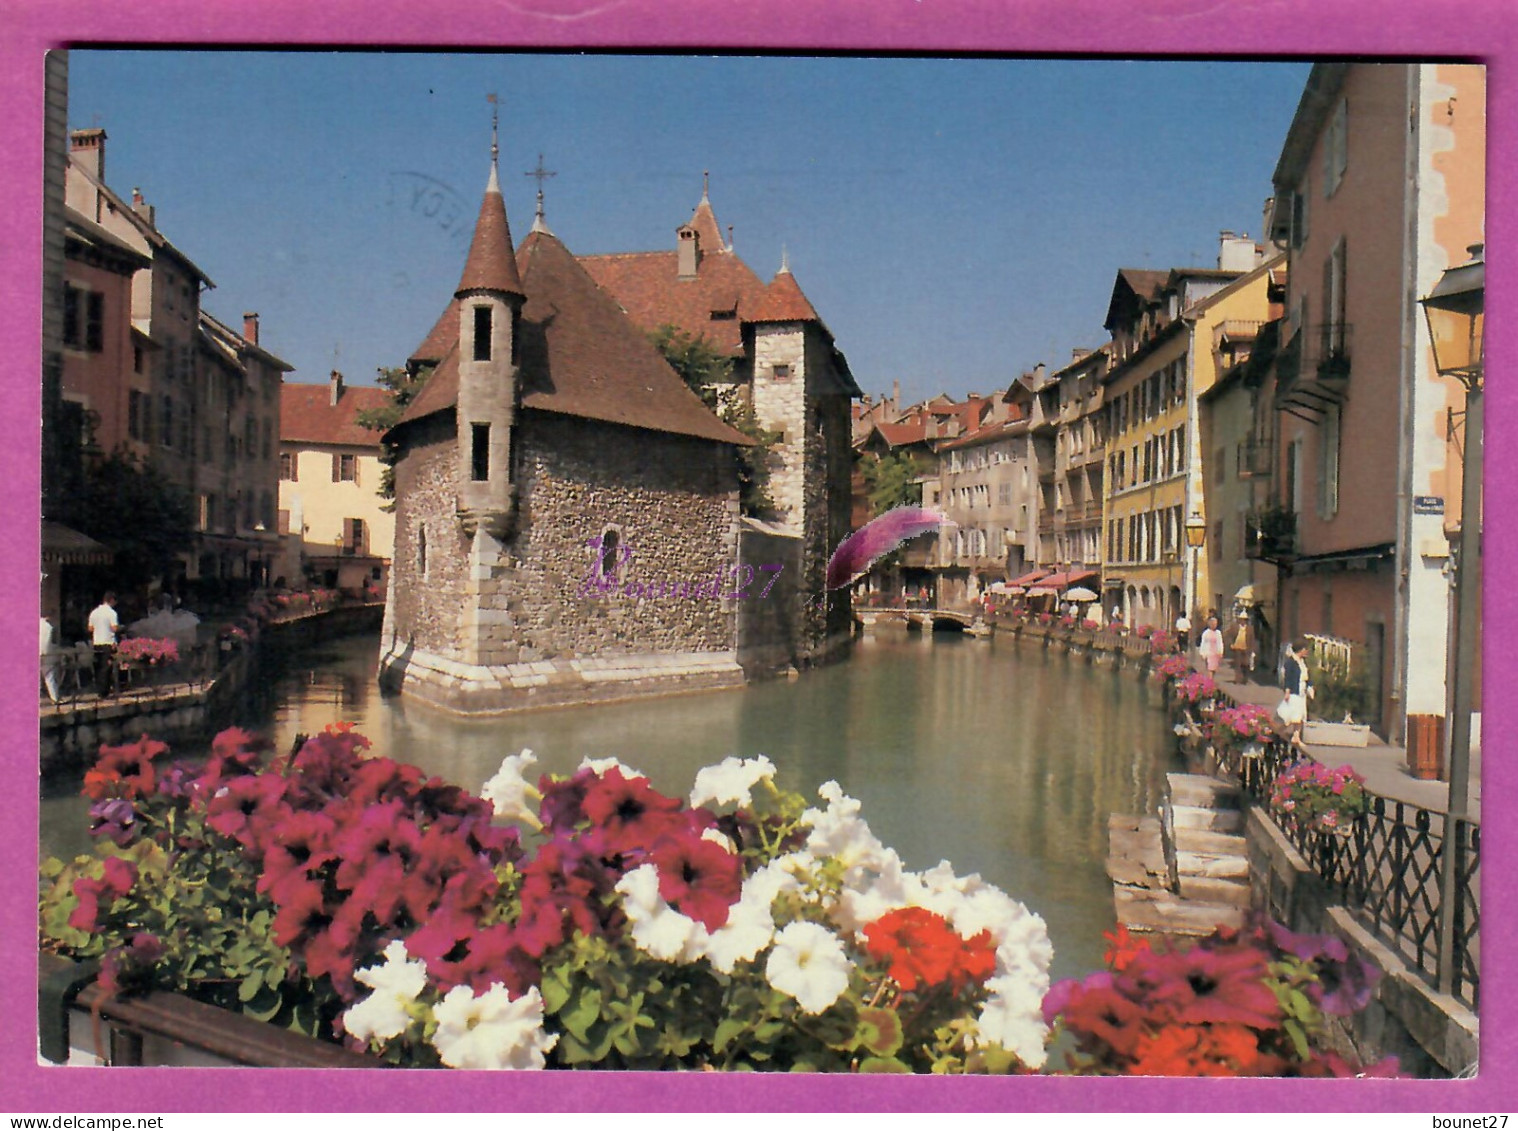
pixel 895 395
pixel 250 327
pixel 336 383
pixel 1078 353
pixel 142 207
pixel 690 251
pixel 89 151
pixel 1236 252
pixel 1265 214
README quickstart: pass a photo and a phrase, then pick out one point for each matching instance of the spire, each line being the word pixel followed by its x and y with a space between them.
pixel 785 260
pixel 539 224
pixel 491 265
pixel 704 220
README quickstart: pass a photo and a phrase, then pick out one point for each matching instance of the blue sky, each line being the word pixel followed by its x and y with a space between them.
pixel 953 221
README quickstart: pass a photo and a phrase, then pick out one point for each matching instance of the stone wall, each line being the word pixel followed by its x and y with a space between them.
pixel 529 619
pixel 768 628
pixel 422 609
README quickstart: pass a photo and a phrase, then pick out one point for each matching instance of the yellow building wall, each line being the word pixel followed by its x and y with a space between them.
pixel 320 504
pixel 1245 301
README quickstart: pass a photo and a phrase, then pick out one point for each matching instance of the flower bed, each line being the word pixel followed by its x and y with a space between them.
pixel 147 650
pixel 1243 726
pixel 1171 667
pixel 1196 688
pixel 1310 796
pixel 351 898
pixel 1251 1003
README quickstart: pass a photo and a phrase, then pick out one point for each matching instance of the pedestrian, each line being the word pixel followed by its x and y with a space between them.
pixel 1296 690
pixel 1242 646
pixel 1183 630
pixel 48 660
pixel 104 625
pixel 1211 646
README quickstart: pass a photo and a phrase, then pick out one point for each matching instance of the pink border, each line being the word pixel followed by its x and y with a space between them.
pixel 1250 28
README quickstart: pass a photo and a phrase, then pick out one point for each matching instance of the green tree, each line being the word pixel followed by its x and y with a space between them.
pixel 891 480
pixel 709 374
pixel 147 519
pixel 403 389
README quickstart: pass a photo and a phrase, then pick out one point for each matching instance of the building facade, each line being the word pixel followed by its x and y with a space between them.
pixel 786 366
pixel 188 394
pixel 1379 189
pixel 335 527
pixel 566 509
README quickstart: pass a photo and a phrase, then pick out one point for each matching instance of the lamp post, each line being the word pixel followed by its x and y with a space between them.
pixel 1455 309
pixel 1196 534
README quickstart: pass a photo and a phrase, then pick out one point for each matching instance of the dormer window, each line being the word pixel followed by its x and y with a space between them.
pixel 482 323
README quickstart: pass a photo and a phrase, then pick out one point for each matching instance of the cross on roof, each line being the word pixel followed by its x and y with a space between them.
pixel 542 175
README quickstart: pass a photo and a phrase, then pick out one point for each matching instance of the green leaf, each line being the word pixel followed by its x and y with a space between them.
pixel 271 1004
pixel 584 1013
pixel 1298 1037
pixel 879 1032
pixel 555 991
pixel 728 1029
pixel 883 1064
pixel 250 986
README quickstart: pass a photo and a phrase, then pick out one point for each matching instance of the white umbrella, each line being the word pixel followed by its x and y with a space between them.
pixel 1041 591
pixel 1080 593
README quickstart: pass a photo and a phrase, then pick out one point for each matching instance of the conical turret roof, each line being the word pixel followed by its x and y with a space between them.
pixel 491 265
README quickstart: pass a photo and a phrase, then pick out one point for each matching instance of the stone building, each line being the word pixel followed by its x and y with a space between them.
pixel 566 509
pixel 786 365
pixel 334 525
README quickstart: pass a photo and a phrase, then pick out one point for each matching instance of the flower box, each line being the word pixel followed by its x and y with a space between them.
pixel 1318 733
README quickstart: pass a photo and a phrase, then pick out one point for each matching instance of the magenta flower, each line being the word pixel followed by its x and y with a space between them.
pixel 629 811
pixel 116 879
pixel 1223 986
pixel 697 877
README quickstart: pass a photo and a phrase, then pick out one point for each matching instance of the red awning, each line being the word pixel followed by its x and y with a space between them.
pixel 1030 578
pixel 1065 580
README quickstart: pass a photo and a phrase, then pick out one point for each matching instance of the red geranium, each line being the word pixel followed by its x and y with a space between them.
pixel 922 947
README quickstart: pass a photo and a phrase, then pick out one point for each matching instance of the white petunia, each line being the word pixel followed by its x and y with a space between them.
pixel 396 983
pixel 656 927
pixel 750 925
pixel 1012 1017
pixel 730 781
pixel 717 836
pixel 492 1030
pixel 509 791
pixel 601 765
pixel 809 964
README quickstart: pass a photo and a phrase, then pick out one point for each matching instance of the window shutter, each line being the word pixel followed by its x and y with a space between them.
pixel 337 467
pixel 348 535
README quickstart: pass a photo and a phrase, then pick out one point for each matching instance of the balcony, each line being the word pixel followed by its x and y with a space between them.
pixel 1313 371
pixel 1271 536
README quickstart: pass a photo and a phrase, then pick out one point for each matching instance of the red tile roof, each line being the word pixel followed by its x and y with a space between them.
pixel 442 338
pixel 648 287
pixel 491 265
pixel 308 416
pixel 580 355
pixel 783 302
pixel 704 220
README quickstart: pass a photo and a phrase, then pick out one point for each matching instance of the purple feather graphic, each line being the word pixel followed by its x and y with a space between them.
pixel 875 539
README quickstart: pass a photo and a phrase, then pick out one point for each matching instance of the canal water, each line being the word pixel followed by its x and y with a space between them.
pixel 1003 760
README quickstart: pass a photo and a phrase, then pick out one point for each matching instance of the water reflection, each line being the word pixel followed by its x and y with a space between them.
pixel 1003 761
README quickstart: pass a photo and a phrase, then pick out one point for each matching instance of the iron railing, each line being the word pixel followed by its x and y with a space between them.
pixel 74 674
pixel 1385 866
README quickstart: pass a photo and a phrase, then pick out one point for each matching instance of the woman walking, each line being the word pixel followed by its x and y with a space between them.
pixel 1211 647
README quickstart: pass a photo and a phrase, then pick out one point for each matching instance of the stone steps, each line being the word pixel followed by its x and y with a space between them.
pixel 1187 871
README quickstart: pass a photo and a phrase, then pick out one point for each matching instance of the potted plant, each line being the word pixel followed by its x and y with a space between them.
pixel 1340 694
pixel 1246 727
pixel 1312 797
pixel 1198 690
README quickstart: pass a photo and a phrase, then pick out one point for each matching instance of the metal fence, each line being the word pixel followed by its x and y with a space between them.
pixel 75 677
pixel 1385 866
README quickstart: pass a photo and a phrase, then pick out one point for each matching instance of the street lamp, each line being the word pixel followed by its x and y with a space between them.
pixel 1455 309
pixel 1196 534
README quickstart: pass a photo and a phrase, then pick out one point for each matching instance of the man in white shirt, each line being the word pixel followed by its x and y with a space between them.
pixel 1183 631
pixel 103 628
